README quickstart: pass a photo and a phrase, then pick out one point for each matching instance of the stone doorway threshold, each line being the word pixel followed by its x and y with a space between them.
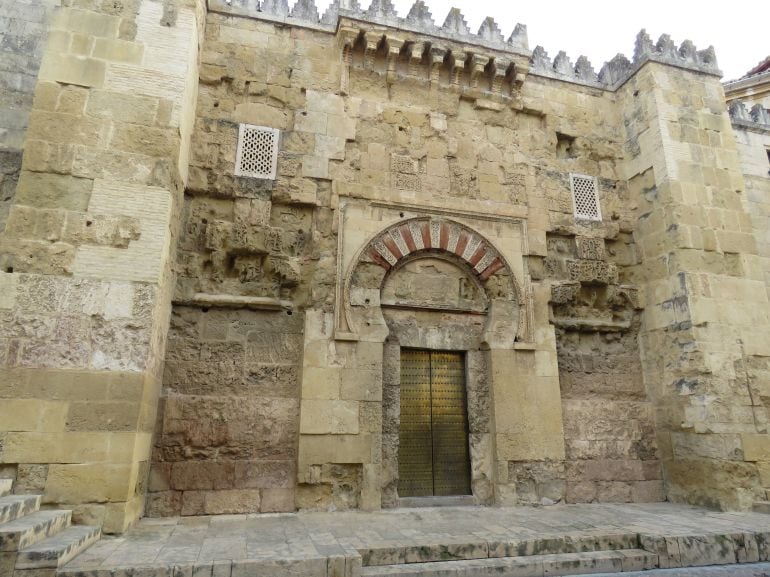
pixel 453 501
pixel 445 541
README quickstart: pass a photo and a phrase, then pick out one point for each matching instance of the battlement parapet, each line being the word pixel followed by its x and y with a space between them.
pixel 757 118
pixel 455 28
pixel 382 12
pixel 615 72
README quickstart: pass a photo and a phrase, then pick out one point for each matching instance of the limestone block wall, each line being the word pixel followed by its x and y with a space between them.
pixel 242 238
pixel 704 328
pixel 226 436
pixel 24 30
pixel 85 254
pixel 367 140
pixel 753 145
pixel 610 433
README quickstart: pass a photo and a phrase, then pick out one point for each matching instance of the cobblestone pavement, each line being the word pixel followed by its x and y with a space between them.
pixel 316 536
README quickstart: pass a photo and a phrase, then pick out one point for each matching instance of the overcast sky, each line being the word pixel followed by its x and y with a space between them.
pixel 602 28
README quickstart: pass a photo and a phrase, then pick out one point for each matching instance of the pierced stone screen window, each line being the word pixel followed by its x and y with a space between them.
pixel 257 155
pixel 585 197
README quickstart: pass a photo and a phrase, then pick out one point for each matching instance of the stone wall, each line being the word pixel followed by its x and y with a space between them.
pixel 24 31
pixel 421 140
pixel 609 425
pixel 226 438
pixel 85 254
pixel 704 330
pixel 753 144
pixel 598 349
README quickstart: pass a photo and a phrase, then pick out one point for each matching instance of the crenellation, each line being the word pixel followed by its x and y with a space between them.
pixel 585 71
pixel 277 8
pixel 758 117
pixel 519 40
pixel 305 10
pixel 562 64
pixel 381 10
pixel 490 31
pixel 615 71
pixel 455 24
pixel 421 14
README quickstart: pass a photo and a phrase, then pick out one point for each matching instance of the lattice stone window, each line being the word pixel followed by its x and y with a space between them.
pixel 585 197
pixel 257 155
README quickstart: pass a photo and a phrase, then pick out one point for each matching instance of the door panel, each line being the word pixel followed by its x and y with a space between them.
pixel 433 438
pixel 449 425
pixel 415 453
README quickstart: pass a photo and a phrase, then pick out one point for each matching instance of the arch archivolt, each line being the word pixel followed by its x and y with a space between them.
pixel 430 236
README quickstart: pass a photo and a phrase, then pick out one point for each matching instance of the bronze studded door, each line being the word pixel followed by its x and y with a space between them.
pixel 433 455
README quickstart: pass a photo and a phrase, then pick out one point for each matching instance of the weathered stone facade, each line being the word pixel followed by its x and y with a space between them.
pixel 179 340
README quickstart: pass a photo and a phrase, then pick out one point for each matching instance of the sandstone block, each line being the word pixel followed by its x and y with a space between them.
pixel 34 447
pixel 325 102
pixel 129 108
pixel 320 383
pixel 311 122
pixel 242 37
pixel 322 417
pixel 277 500
pixel 81 44
pixel 163 142
pixel 164 504
pixel 361 384
pixel 73 69
pixel 262 115
pixel 32 415
pixel 330 147
pixel 648 492
pixel 341 127
pixel 264 474
pixel 756 447
pixel 105 416
pixel 53 191
pixel 89 483
pixel 8 290
pixel 321 449
pixel 72 100
pixel 88 22
pixel 118 50
pixel 315 167
pixel 231 502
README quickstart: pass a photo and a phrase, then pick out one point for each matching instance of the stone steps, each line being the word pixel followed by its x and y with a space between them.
pixel 30 529
pixel 424 552
pixel 14 506
pixel 59 549
pixel 35 543
pixel 524 566
pixel 548 555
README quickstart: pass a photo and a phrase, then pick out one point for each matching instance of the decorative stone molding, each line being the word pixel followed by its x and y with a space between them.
pixel 395 53
pixel 396 243
pixel 510 304
pixel 204 300
pixel 758 118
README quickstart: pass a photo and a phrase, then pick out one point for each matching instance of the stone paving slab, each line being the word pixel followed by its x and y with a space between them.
pixel 752 570
pixel 335 543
